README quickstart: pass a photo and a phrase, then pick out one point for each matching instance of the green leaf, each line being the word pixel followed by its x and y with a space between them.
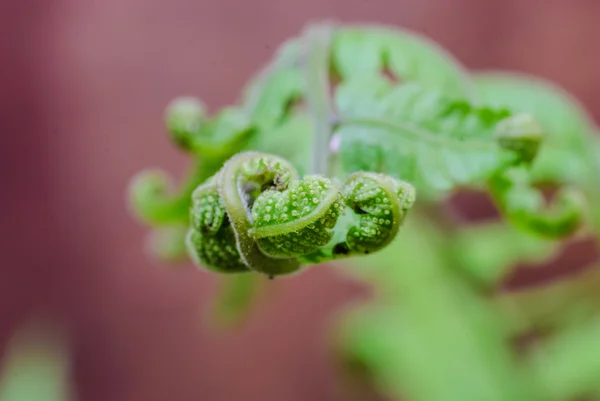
pixel 428 335
pixel 419 135
pixel 226 134
pixel 168 243
pixel 280 90
pixel 357 52
pixel 477 249
pixel 286 57
pixel 270 93
pixel 570 153
pixel 36 366
pixel 525 206
pixel 291 139
pixel 594 185
pixel 568 365
pixel 153 199
pixel 561 303
pixel 368 50
pixel 237 295
pixel 184 117
pixel 563 119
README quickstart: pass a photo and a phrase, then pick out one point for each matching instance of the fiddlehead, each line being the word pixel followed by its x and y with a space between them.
pixel 424 124
pixel 241 181
pixel 525 206
pixel 298 220
pixel 150 199
pixel 211 239
pixel 183 117
pixel 381 203
pixel 375 208
pixel 423 121
pixel 257 214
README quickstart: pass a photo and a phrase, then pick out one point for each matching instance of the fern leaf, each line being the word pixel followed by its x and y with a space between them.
pixel 418 135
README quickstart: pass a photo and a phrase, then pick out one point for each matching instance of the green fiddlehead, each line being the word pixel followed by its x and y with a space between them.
pixel 299 220
pixel 381 204
pixel 325 105
pixel 375 208
pixel 211 239
pixel 241 181
pixel 256 214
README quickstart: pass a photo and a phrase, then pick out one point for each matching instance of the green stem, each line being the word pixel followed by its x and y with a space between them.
pixel 318 40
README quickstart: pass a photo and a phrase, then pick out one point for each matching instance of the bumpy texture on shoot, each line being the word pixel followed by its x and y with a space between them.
pixel 257 214
pixel 298 220
pixel 211 240
pixel 395 104
pixel 381 203
pixel 404 113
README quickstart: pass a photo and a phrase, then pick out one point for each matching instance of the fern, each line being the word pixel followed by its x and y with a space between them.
pixel 347 134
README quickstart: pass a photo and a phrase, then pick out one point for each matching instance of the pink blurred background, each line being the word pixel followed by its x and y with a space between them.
pixel 83 85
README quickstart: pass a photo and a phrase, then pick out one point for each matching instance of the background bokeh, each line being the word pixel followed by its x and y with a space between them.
pixel 83 85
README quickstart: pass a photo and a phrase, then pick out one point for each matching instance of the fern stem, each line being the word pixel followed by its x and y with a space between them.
pixel 317 44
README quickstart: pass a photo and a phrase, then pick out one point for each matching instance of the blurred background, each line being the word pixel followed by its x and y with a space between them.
pixel 83 86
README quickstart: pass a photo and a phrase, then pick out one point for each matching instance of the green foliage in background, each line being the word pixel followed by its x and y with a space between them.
pixel 353 131
pixel 36 365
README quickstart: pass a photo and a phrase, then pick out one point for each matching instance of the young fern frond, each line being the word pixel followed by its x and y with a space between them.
pixel 524 205
pixel 381 204
pixel 240 182
pixel 375 116
pixel 428 125
pixel 211 239
pixel 150 199
pixel 298 220
pixel 257 214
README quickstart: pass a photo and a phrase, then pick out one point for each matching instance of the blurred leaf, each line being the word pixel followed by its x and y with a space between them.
pixel 269 92
pixel 237 295
pixel 36 367
pixel 419 135
pixel 168 243
pixel 224 135
pixel 568 365
pixel 183 117
pixel 490 251
pixel 429 337
pixel 568 153
pixel 279 92
pixel 526 208
pixel 553 305
pixel 153 199
pixel 291 140
pixel 565 123
pixel 368 50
